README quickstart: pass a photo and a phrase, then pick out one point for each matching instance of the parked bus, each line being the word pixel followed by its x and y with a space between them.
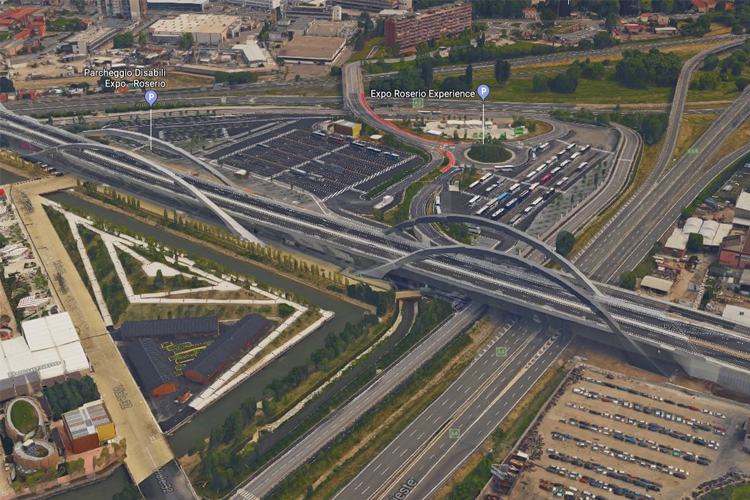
pixel 544 146
pixel 437 210
pixel 515 187
pixel 549 193
pixel 511 203
pixel 516 219
pixel 555 170
pixel 561 182
pixel 502 196
pixel 482 210
pixel 437 201
pixel 524 195
pixel 540 169
pixel 318 133
pixel 585 148
pixel 545 178
pixel 565 163
pixel 530 176
pixel 582 165
pixel 491 188
pixel 498 214
pixel 570 147
pixel 358 145
pixel 575 155
pixel 484 178
pixel 473 201
pixel 533 186
pixel 504 167
pixel 537 201
pixel 374 151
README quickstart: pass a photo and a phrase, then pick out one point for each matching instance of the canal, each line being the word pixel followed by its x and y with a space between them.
pixel 200 426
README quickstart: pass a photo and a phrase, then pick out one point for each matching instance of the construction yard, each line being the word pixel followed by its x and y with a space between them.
pixel 607 435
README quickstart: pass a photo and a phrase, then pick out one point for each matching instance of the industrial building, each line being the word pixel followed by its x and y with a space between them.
pixel 252 53
pixel 154 372
pixel 49 351
pixel 168 329
pixel 411 29
pixel 735 251
pixel 134 10
pixel 345 127
pixel 312 50
pixel 367 5
pixel 313 10
pixel 341 29
pixel 657 285
pixel 178 5
pixel 712 231
pixel 209 29
pixel 742 210
pixel 264 5
pixel 231 344
pixel 88 426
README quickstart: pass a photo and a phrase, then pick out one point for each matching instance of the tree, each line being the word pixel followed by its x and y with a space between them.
pixel 741 83
pixel 502 71
pixel 186 41
pixel 469 76
pixel 6 85
pixel 123 41
pixel 540 83
pixel 142 40
pixel 695 243
pixel 611 22
pixel 628 280
pixel 710 62
pixel 564 243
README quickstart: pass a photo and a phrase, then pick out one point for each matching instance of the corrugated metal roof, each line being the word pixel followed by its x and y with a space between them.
pixel 86 419
pixel 170 327
pixel 151 364
pixel 229 344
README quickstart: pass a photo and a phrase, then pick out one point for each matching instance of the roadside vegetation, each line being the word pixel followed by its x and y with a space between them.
pixel 401 211
pixel 491 151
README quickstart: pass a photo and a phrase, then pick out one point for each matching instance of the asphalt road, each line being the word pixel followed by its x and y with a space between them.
pixel 262 483
pixel 486 376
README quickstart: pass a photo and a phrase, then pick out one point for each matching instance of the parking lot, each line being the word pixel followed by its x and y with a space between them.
pixel 610 435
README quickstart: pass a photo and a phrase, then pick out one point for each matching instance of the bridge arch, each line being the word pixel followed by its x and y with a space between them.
pixel 235 227
pixel 550 253
pixel 129 134
pixel 627 344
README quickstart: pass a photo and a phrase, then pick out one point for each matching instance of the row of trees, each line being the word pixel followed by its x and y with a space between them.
pixel 645 69
pixel 651 126
pixel 71 394
pixel 235 78
pixel 364 293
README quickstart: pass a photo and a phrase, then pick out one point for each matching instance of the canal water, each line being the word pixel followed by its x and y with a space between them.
pixel 200 427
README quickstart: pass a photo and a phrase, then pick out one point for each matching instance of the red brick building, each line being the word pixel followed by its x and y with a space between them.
pixel 735 252
pixel 411 29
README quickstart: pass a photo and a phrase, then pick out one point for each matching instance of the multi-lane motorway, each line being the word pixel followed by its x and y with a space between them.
pixel 426 452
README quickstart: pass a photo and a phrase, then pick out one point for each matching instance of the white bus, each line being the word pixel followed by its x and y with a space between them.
pixel 482 210
pixel 437 201
pixel 555 170
pixel 491 188
pixel 485 178
pixel 437 209
pixel 514 187
pixel 561 182
pixel 516 219
pixel 582 165
pixel 565 163
pixel 498 214
pixel 570 147
pixel 533 186
pixel 474 184
pixel 540 169
pixel 544 146
pixel 530 176
pixel 585 148
pixel 504 167
pixel 473 201
pixel 537 201
pixel 575 155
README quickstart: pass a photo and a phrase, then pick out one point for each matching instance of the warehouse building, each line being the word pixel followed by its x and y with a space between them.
pixel 168 329
pixel 345 127
pixel 209 29
pixel 89 426
pixel 367 5
pixel 230 345
pixel 49 351
pixel 178 5
pixel 155 373
pixel 321 50
pixel 742 210
pixel 263 5
pixel 656 285
pixel 411 29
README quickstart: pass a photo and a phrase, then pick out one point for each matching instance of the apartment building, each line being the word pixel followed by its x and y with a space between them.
pixel 411 29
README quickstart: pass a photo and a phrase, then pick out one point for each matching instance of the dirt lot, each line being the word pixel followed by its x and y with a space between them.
pixel 594 451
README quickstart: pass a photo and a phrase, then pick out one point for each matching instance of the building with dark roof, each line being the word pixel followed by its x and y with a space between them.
pixel 243 334
pixel 164 329
pixel 154 371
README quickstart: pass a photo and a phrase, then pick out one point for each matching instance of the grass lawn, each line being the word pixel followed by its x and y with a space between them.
pixel 691 127
pixel 738 138
pixel 741 492
pixel 604 91
pixel 24 416
pixel 369 44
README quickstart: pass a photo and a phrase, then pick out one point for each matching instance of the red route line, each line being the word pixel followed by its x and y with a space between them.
pixel 388 124
pixel 451 161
